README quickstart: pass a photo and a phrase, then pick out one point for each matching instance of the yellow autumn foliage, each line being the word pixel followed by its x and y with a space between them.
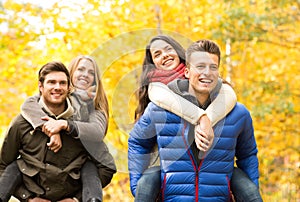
pixel 263 66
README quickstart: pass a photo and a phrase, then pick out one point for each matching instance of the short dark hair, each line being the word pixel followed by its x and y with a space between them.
pixel 53 67
pixel 203 45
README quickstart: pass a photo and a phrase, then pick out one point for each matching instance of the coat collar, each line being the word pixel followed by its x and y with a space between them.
pixel 181 86
pixel 65 115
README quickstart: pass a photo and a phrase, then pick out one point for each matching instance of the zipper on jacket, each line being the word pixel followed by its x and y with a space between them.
pixel 197 186
pixel 229 189
pixel 163 188
pixel 197 179
pixel 196 169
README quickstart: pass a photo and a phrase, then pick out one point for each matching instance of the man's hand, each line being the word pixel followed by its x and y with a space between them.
pixel 53 126
pixel 204 134
pixel 55 143
pixel 37 199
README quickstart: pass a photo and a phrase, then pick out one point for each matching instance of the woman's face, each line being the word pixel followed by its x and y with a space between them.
pixel 84 75
pixel 164 55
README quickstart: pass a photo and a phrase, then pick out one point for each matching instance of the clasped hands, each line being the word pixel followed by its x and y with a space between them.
pixel 52 129
pixel 204 134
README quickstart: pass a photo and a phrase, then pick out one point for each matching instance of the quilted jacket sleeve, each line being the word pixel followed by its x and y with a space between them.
pixel 246 149
pixel 140 143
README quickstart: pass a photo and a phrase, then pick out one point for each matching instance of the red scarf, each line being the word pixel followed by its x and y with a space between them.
pixel 166 76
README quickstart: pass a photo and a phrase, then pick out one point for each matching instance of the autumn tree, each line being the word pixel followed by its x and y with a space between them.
pixel 260 45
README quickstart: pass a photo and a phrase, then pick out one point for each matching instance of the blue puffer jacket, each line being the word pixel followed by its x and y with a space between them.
pixel 182 178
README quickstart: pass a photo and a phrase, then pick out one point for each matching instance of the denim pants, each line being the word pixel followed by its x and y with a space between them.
pixel 148 186
pixel 243 188
pixel 9 180
pixel 91 184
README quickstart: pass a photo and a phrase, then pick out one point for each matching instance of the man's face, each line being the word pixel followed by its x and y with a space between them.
pixel 203 73
pixel 55 89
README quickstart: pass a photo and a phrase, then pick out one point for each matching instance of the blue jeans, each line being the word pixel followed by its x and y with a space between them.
pixel 243 189
pixel 9 180
pixel 148 186
pixel 91 184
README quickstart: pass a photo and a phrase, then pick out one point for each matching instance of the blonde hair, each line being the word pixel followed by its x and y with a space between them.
pixel 100 99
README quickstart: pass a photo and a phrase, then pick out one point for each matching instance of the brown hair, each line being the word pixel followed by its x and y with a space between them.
pixel 53 66
pixel 203 45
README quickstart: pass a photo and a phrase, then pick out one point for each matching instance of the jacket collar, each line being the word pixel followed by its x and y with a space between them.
pixel 181 87
pixel 65 115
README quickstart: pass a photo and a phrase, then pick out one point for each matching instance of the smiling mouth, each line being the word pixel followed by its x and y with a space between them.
pixel 56 94
pixel 83 81
pixel 206 81
pixel 167 61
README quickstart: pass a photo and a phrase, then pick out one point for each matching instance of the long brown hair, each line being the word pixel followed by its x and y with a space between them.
pixel 100 99
pixel 148 65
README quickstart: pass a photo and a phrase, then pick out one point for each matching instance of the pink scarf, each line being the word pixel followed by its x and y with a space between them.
pixel 166 76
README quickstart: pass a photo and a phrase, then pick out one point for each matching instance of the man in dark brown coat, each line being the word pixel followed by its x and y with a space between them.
pixel 47 173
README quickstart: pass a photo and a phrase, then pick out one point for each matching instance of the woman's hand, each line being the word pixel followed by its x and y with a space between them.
pixel 52 126
pixel 91 92
pixel 204 134
pixel 52 129
pixel 55 143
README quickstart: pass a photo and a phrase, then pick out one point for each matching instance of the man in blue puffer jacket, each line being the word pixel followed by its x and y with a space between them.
pixel 186 173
